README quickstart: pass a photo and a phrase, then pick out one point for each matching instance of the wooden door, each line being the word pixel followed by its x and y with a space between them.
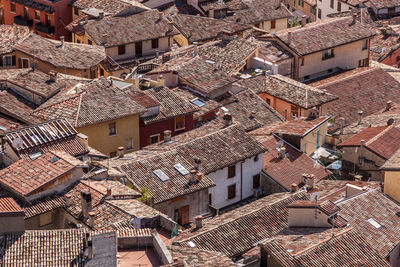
pixel 184 215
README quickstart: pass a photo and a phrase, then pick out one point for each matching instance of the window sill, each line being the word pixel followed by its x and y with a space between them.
pixel 180 129
pixel 112 135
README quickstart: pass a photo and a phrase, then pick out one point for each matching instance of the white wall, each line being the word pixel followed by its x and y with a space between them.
pixel 221 180
pixel 307 217
pixel 325 6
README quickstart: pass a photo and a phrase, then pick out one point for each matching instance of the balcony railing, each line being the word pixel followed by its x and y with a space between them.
pixel 45 29
pixel 23 21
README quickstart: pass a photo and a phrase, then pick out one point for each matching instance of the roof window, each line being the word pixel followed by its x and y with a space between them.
pixel 161 175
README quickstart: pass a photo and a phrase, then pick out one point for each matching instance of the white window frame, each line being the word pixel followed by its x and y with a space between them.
pixel 127 140
pixel 4 61
pixel 154 135
pixel 22 62
pixel 184 123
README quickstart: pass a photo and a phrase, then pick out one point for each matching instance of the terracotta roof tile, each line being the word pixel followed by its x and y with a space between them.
pixel 290 170
pixel 71 55
pixel 326 206
pixel 8 204
pixel 11 35
pixel 376 206
pixel 17 107
pixel 27 176
pixel 325 34
pixel 43 205
pixel 300 127
pixel 385 3
pixel 141 27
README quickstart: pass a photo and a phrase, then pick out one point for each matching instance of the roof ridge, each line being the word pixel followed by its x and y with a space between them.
pixel 243 215
pixel 373 139
pixel 366 70
pixel 79 108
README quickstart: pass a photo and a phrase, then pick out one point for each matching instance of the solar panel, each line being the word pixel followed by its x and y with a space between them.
pixel 181 169
pixel 161 175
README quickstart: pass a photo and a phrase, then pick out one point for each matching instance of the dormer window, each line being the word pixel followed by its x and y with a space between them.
pixel 327 54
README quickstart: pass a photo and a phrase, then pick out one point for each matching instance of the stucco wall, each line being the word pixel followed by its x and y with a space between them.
pixel 307 217
pixel 280 24
pixel 392 184
pixel 325 6
pixel 99 138
pixel 309 142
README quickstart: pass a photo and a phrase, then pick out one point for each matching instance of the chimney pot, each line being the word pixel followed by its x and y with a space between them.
pixel 167 136
pixel 388 105
pixel 199 176
pixel 104 36
pixel 68 201
pixel 293 188
pixel 303 20
pixel 86 201
pixel 193 175
pixel 199 221
pixel 109 191
pixel 289 37
pixel 228 119
pixel 101 14
pixel 91 218
pixel 121 152
pixel 360 113
pixel 170 26
pixel 62 39
pixel 354 18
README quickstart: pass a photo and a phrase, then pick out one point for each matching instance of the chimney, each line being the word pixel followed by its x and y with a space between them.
pixel 83 139
pixel 160 15
pixel 199 221
pixel 303 20
pixel 101 14
pixel 228 119
pixel 167 66
pixel 282 152
pixel 53 75
pixel 86 200
pixel 293 188
pixel 104 38
pixel 62 41
pixel 196 49
pixel 121 152
pixel 388 105
pixel 91 218
pixel 199 176
pixel 109 190
pixel 170 26
pixel 310 181
pixel 198 164
pixel 342 120
pixel 289 37
pixel 225 35
pixel 68 200
pixel 160 81
pixel 354 18
pixel 90 249
pixel 193 176
pixel 211 13
pixel 86 20
pixel 362 142
pixel 167 136
pixel 360 113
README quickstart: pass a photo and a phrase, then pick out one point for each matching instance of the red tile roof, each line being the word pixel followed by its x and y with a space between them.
pixel 26 176
pixel 300 127
pixel 8 204
pixel 290 169
pixel 326 206
pixel 382 140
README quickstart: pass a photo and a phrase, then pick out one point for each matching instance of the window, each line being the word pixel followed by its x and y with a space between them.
pixel 26 13
pixel 319 13
pixel 210 199
pixel 256 158
pixel 12 7
pixel 129 143
pixel 302 3
pixel 154 43
pixel 153 139
pixel 302 61
pixel 101 71
pixel 363 63
pixel 179 123
pixel 327 54
pixel 45 219
pixel 78 41
pixel 112 129
pixel 24 63
pixel 113 154
pixel 332 3
pixel 273 24
pixel 339 6
pixel 256 181
pixel 89 42
pixel 8 61
pixel 121 49
pixel 294 110
pixel 47 19
pixel 268 101
pixel 231 171
pixel 37 14
pixel 138 49
pixel 231 191
pixel 76 11
pixel 364 44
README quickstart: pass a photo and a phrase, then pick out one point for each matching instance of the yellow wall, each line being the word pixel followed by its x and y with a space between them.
pixel 280 24
pixel 181 40
pixel 309 142
pixel 346 57
pixel 45 67
pixel 392 184
pixel 307 10
pixel 125 127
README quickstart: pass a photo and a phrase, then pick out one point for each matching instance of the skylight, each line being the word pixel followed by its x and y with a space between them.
pixel 374 223
pixel 161 175
pixel 191 244
pixel 198 102
pixel 181 169
pixel 35 155
pixel 3 128
pixel 54 159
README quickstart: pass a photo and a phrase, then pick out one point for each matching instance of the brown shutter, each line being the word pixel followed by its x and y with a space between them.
pixel 20 63
pixel 14 60
pixel 1 61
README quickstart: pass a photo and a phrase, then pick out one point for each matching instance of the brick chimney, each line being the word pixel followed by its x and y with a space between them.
pixel 303 20
pixel 211 13
pixel 167 136
pixel 199 176
pixel 91 218
pixel 293 188
pixel 388 105
pixel 310 181
pixel 198 164
pixel 86 201
pixel 53 75
pixel 193 176
pixel 68 200
pixel 101 14
pixel 199 221
pixel 109 191
pixel 228 119
pixel 121 152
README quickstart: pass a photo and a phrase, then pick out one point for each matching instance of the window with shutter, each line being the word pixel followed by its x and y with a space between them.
pixel 232 171
pixel 256 181
pixel 231 191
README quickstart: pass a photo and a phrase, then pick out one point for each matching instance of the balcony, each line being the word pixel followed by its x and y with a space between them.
pixel 44 29
pixel 23 21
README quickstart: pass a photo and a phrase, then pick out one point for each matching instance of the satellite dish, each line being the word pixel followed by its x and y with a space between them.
pixel 17 143
pixel 315 196
pixel 390 121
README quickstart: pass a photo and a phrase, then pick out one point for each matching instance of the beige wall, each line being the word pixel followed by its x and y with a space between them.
pixel 280 24
pixel 392 184
pixel 308 143
pixel 163 45
pixel 346 57
pixel 307 217
pixel 99 138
